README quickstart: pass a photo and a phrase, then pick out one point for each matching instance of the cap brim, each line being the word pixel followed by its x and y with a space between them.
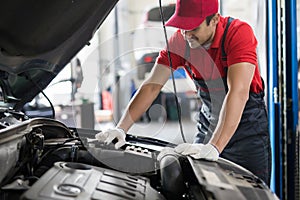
pixel 185 23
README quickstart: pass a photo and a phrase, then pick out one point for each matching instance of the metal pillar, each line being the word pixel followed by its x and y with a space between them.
pixel 272 92
pixel 116 66
pixel 292 97
pixel 283 96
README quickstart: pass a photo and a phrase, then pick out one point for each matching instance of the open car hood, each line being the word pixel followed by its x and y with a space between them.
pixel 38 39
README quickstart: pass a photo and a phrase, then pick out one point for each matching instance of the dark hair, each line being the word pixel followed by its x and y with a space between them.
pixel 209 18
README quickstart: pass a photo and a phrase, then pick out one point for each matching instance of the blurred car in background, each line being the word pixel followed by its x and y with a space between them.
pixel 149 38
pixel 153 16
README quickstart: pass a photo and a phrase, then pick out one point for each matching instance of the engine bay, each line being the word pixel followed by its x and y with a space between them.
pixel 42 158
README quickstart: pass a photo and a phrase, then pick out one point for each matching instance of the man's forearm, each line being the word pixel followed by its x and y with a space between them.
pixel 230 116
pixel 144 97
pixel 239 77
pixel 138 105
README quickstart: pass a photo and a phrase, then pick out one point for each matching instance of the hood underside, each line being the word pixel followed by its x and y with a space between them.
pixel 38 38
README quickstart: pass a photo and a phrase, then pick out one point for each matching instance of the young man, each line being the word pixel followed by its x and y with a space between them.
pixel 219 54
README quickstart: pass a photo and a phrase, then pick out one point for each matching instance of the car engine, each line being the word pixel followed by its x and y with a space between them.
pixel 43 159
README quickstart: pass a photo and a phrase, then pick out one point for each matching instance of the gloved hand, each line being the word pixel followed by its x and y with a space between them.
pixel 109 135
pixel 198 151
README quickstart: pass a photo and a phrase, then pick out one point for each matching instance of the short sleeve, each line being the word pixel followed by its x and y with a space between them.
pixel 240 45
pixel 177 50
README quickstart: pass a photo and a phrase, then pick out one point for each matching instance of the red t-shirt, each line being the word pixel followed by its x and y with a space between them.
pixel 240 46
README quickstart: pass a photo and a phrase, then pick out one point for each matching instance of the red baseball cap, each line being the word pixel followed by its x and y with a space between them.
pixel 189 14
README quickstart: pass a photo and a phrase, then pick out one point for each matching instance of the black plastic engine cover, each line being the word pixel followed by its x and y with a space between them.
pixel 81 181
pixel 227 180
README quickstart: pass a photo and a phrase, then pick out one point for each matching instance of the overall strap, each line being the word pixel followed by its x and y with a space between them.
pixel 224 55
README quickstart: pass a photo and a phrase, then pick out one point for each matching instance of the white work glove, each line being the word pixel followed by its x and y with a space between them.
pixel 109 135
pixel 198 151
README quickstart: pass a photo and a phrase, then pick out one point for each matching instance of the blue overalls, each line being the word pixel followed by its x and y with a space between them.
pixel 250 144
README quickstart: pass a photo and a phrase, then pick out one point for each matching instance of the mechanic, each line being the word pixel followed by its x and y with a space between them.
pixel 219 54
